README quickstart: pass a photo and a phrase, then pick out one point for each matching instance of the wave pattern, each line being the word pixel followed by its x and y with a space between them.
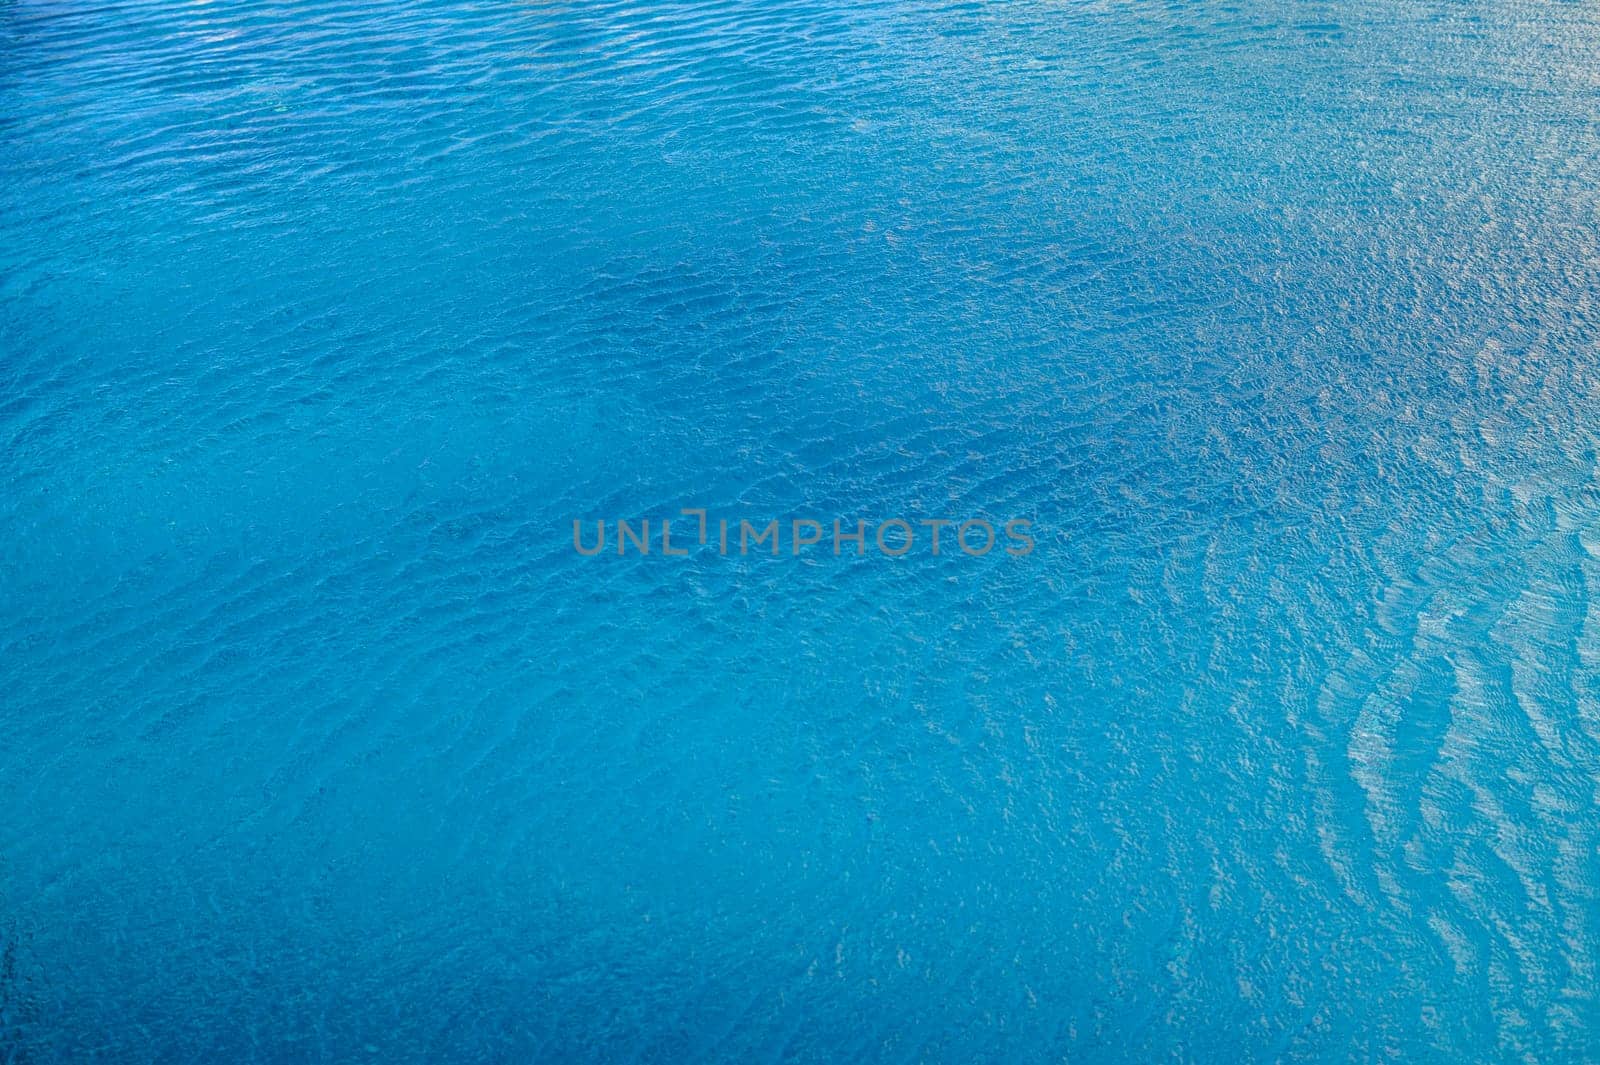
pixel 320 323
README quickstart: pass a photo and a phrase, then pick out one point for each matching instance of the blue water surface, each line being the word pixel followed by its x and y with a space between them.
pixel 321 322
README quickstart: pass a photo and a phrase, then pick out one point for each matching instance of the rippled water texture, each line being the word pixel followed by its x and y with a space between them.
pixel 320 323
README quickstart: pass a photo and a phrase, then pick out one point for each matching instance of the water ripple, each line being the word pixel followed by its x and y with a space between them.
pixel 320 323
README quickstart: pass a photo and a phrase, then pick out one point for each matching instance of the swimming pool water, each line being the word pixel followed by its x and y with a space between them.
pixel 321 323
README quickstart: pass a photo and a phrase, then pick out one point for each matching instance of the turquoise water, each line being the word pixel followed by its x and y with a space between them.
pixel 321 323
